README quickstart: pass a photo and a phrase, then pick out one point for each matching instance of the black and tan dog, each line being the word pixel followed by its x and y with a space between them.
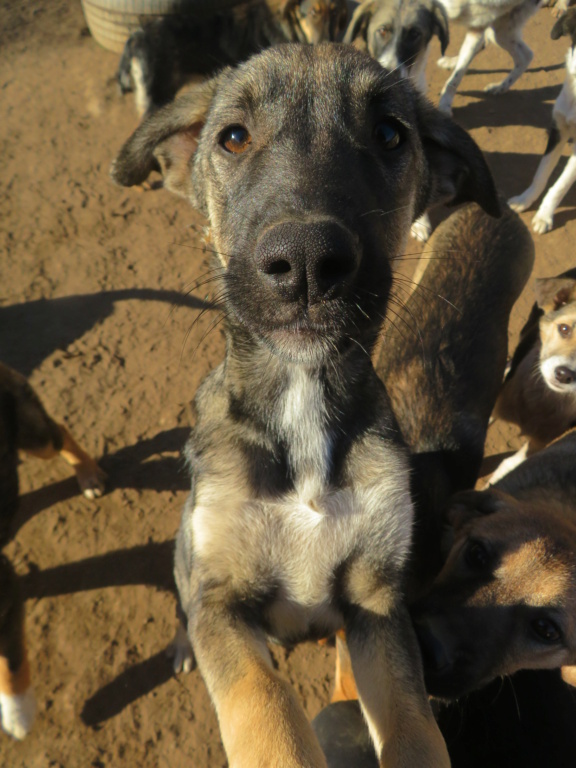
pixel 167 53
pixel 310 163
pixel 25 426
pixel 539 392
pixel 505 599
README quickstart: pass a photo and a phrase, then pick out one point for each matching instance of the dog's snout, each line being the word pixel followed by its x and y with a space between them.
pixel 307 260
pixel 564 375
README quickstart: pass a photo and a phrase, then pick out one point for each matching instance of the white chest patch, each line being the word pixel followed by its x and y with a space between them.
pixel 303 426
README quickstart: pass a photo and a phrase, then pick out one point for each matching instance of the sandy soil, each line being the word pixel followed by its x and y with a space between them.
pixel 98 308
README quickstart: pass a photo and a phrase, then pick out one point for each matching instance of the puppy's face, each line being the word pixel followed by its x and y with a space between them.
pixel 397 34
pixel 320 20
pixel 557 298
pixel 506 597
pixel 310 163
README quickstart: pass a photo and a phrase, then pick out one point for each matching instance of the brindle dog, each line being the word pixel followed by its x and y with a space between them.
pixel 310 162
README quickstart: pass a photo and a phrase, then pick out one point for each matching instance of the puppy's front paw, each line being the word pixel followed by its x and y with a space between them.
pixel 18 713
pixel 181 653
pixel 447 62
pixel 91 480
pixel 495 88
pixel 518 203
pixel 542 223
pixel 421 229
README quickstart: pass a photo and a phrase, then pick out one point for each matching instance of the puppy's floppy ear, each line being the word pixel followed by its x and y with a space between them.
pixel 566 25
pixel 469 504
pixel 458 172
pixel 441 28
pixel 358 26
pixel 553 292
pixel 167 141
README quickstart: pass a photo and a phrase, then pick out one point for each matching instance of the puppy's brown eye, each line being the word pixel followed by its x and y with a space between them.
pixel 477 556
pixel 565 330
pixel 384 31
pixel 546 630
pixel 236 139
pixel 388 134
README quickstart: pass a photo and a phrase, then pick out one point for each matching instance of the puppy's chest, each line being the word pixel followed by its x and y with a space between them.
pixel 293 543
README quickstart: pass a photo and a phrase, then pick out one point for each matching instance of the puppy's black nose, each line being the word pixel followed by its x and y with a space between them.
pixel 564 375
pixel 314 261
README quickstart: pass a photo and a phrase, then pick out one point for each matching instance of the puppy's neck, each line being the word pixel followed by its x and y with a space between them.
pixel 296 409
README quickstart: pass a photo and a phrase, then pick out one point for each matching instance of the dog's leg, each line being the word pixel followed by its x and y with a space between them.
pixel 557 137
pixel 388 673
pixel 89 475
pixel 544 219
pixel 473 43
pixel 261 721
pixel 17 702
pixel 507 465
pixel 509 37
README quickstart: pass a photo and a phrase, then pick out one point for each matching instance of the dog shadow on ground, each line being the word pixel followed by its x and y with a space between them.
pixel 38 328
pixel 129 467
pixel 149 564
pixel 516 107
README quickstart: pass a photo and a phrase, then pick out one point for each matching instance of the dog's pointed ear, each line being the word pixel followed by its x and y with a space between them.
pixel 470 504
pixel 166 141
pixel 441 28
pixel 553 292
pixel 569 675
pixel 458 172
pixel 358 26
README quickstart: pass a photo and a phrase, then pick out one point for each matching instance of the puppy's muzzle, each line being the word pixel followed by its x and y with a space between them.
pixel 307 262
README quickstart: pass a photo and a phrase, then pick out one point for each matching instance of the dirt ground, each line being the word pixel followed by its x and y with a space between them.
pixel 98 308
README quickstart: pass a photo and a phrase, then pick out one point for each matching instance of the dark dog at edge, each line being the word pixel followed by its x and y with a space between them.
pixel 25 426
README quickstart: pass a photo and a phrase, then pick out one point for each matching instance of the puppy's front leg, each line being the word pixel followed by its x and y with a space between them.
pixel 261 722
pixel 388 673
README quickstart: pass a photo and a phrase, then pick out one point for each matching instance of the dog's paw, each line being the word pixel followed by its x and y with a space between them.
pixel 181 653
pixel 91 479
pixel 496 88
pixel 542 223
pixel 518 203
pixel 421 229
pixel 18 713
pixel 447 62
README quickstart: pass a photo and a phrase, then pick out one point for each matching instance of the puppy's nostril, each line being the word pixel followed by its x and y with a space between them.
pixel 564 375
pixel 279 267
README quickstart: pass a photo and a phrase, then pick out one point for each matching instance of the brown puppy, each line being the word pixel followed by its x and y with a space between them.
pixel 506 598
pixel 25 426
pixel 539 392
pixel 442 362
pixel 311 162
